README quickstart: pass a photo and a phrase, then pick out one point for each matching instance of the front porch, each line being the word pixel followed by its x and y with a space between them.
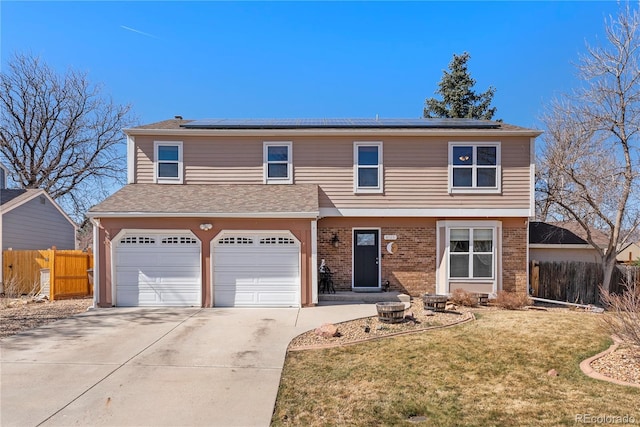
pixel 350 297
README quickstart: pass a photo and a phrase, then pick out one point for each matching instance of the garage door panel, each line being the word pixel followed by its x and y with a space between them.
pixel 179 259
pixel 274 298
pixel 237 259
pixel 132 259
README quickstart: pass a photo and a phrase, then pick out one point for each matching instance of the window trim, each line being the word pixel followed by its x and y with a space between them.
pixel 356 167
pixel 470 252
pixel 265 162
pixel 474 189
pixel 168 180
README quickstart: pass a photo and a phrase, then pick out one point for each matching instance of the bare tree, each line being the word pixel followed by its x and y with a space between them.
pixel 60 133
pixel 588 171
pixel 623 317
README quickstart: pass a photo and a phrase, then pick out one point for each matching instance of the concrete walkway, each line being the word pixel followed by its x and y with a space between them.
pixel 154 367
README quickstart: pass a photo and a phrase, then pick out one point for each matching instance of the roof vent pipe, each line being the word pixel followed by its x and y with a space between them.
pixel 178 117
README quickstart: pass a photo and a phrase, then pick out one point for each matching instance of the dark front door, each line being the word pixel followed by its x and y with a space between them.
pixel 366 244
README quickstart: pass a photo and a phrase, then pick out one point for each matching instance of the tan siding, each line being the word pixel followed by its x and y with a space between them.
pixel 227 161
pixel 415 169
pixel 144 160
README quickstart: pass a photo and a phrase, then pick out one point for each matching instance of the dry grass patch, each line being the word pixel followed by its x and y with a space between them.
pixel 490 372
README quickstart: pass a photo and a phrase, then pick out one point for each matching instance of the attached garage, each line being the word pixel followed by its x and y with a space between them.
pixel 157 269
pixel 256 269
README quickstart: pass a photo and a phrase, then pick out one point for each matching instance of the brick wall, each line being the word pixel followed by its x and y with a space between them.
pixel 514 258
pixel 411 269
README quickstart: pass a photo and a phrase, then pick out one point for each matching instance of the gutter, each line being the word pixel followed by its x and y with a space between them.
pixel 332 132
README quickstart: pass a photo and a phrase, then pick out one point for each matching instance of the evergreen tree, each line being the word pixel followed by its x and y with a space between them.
pixel 458 98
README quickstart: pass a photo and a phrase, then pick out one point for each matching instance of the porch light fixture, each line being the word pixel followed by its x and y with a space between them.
pixel 206 227
pixel 335 241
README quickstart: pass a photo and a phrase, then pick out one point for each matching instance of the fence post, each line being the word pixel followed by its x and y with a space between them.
pixel 52 274
pixel 535 277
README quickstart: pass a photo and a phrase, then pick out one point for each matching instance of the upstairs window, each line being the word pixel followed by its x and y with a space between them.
pixel 474 167
pixel 278 167
pixel 168 164
pixel 367 167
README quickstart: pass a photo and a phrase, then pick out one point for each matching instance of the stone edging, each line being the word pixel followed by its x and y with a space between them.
pixel 586 368
pixel 468 317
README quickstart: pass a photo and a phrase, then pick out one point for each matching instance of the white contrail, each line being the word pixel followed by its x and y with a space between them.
pixel 138 31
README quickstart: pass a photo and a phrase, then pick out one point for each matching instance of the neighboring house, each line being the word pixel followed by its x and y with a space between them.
pixel 242 212
pixel 629 253
pixel 30 219
pixel 551 242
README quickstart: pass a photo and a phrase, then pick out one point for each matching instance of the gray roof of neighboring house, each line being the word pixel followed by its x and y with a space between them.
pixel 211 200
pixel 7 195
pixel 335 123
pixel 564 233
pixel 548 234
pixel 599 237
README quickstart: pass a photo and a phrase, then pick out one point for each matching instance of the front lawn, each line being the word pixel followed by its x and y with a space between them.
pixel 492 372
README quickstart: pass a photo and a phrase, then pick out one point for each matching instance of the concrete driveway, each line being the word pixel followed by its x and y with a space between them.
pixel 153 367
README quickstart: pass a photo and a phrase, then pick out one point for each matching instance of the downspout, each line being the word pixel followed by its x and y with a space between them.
pixel 96 260
pixel 314 262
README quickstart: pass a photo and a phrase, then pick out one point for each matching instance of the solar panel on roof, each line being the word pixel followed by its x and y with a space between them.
pixel 416 123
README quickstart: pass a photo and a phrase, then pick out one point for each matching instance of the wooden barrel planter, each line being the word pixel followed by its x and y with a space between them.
pixel 435 302
pixel 483 299
pixel 390 312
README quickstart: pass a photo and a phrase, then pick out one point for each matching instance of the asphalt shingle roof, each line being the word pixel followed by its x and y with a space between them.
pixel 212 199
pixel 6 195
pixel 543 233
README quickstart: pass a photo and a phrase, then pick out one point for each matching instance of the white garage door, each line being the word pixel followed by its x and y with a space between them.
pixel 256 270
pixel 158 270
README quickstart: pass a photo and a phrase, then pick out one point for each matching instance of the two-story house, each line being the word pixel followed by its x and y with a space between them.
pixel 242 212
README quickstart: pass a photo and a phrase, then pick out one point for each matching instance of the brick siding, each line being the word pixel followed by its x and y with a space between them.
pixel 411 269
pixel 514 259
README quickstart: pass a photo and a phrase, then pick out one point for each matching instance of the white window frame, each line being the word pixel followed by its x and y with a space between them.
pixel 474 189
pixel 471 252
pixel 265 160
pixel 156 169
pixel 356 167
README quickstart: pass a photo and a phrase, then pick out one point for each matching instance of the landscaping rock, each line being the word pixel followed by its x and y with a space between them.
pixel 429 313
pixel 552 373
pixel 451 307
pixel 409 315
pixel 327 330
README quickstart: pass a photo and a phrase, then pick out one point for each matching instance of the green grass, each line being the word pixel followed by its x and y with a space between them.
pixel 492 372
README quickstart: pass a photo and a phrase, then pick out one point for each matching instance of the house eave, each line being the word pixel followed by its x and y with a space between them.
pixel 274 215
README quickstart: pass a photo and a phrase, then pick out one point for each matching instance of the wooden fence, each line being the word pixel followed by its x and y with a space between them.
pixel 576 282
pixel 68 277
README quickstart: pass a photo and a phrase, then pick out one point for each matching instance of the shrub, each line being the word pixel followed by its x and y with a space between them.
pixel 462 297
pixel 623 312
pixel 512 300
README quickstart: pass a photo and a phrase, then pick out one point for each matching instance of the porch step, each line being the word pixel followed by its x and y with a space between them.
pixel 349 297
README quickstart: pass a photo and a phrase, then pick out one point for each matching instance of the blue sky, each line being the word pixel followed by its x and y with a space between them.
pixel 307 59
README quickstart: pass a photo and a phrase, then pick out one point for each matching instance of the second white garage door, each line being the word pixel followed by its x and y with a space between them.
pixel 256 270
